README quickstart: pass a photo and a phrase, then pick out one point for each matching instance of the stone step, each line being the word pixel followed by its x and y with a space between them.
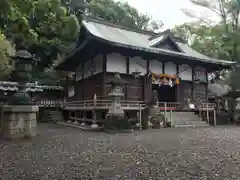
pixel 51 115
pixel 190 125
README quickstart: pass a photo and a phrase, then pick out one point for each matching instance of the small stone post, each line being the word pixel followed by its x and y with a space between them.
pixel 94 115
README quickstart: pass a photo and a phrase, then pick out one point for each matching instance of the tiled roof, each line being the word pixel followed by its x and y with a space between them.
pixel 142 40
pixel 32 87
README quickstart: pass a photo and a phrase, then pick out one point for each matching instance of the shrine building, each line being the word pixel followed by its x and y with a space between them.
pixel 148 61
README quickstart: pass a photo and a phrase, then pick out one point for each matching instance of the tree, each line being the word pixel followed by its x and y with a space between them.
pixel 226 28
pixel 204 39
pixel 6 51
pixel 224 34
pixel 44 26
pixel 118 13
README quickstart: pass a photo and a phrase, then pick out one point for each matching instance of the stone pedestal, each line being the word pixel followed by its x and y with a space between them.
pixel 19 121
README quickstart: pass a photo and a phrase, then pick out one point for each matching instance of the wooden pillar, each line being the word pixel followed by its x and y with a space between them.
pixel 193 83
pixel 127 71
pixel 104 69
pixel 207 85
pixel 127 64
pixel 148 66
pixel 163 67
pixel 82 81
pixel 83 118
pixel 66 88
pixel 147 84
pixel 177 86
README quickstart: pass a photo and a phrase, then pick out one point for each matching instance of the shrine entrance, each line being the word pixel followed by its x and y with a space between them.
pixel 166 93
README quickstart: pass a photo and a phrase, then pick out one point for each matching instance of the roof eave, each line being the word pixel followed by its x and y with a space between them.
pixel 62 65
pixel 222 64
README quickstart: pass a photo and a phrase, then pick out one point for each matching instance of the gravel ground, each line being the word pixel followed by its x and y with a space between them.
pixel 66 153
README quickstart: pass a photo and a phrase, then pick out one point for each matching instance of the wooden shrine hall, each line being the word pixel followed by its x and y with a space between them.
pixel 149 61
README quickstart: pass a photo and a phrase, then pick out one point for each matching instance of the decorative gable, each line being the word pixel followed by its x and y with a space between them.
pixel 165 40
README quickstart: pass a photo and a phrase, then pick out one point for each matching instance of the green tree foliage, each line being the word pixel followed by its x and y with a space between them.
pixel 206 40
pixel 220 39
pixel 221 28
pixel 118 13
pixel 44 26
pixel 6 51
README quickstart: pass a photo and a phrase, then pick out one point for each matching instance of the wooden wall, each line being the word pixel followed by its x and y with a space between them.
pixel 86 88
pixel 200 91
pixel 186 91
pixel 133 89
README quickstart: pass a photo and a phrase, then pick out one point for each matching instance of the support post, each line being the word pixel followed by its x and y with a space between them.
pixel 165 114
pixel 200 112
pixel 214 117
pixel 83 119
pixel 207 114
pixel 171 120
pixel 94 115
pixel 75 118
pixel 69 117
pixel 140 116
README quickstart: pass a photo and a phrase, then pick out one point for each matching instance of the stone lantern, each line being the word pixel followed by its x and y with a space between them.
pixel 22 74
pixel 115 117
pixel 19 115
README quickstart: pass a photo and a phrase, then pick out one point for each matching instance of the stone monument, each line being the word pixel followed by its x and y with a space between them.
pixel 18 116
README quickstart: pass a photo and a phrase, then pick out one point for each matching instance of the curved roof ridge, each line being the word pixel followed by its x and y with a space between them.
pixel 108 23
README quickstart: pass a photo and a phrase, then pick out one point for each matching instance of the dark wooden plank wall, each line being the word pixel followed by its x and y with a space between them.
pixel 200 91
pixel 185 92
pixel 86 88
pixel 133 90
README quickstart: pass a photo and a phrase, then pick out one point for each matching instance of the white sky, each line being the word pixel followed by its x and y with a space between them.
pixel 169 11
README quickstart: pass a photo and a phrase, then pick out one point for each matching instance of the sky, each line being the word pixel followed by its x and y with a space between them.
pixel 169 11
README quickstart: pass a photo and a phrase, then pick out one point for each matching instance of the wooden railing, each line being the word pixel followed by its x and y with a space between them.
pixel 49 103
pixel 208 106
pixel 103 104
pixel 169 105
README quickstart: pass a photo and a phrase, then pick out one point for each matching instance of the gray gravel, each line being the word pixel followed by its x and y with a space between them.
pixel 66 153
